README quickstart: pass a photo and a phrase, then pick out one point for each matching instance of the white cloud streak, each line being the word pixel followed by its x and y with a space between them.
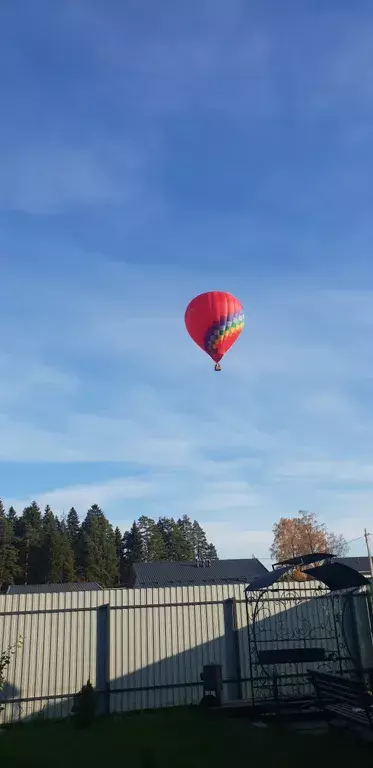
pixel 53 178
pixel 83 496
pixel 331 471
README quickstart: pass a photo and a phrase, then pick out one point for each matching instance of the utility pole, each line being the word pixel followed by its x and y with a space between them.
pixel 366 537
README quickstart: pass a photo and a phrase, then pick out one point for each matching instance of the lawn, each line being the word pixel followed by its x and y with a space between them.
pixel 190 738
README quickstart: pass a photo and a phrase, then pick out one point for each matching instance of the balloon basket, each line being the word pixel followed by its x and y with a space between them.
pixel 217 367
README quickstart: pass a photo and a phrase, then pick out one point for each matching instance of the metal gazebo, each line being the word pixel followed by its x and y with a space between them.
pixel 297 626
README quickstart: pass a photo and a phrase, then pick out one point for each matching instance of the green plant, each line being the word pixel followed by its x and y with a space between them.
pixel 85 706
pixel 5 659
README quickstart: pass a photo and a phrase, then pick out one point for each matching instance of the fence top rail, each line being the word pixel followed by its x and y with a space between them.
pixel 146 598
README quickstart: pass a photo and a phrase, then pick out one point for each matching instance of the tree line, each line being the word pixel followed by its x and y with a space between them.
pixel 41 548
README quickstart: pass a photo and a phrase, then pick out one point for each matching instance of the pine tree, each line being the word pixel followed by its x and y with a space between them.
pixel 186 527
pixel 152 540
pixel 97 546
pixel 119 553
pixel 12 517
pixel 49 555
pixel 73 531
pixel 175 540
pixel 9 568
pixel 212 553
pixel 56 556
pixel 132 545
pixel 29 535
pixel 73 526
pixel 68 573
pixel 202 549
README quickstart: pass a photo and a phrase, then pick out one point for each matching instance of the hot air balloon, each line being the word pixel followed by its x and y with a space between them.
pixel 214 320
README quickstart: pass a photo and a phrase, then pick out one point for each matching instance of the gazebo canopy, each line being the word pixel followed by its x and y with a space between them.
pixel 335 576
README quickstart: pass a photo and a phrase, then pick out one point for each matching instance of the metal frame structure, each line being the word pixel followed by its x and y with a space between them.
pixel 291 631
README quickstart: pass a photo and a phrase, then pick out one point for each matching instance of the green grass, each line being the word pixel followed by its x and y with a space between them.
pixel 190 738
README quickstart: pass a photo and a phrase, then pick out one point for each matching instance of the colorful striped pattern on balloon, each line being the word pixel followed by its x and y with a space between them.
pixel 228 327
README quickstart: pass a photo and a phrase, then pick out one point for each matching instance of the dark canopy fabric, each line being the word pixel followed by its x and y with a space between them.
pixel 337 576
pixel 315 557
pixel 265 581
pixel 333 575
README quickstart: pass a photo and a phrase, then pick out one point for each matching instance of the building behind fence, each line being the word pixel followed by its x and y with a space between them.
pixel 145 648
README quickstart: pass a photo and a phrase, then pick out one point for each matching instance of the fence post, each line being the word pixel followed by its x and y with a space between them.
pixel 103 658
pixel 355 657
pixel 232 649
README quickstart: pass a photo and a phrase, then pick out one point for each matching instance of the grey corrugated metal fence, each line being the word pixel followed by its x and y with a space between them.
pixel 141 648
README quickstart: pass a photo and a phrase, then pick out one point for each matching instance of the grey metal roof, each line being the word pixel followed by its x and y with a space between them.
pixel 27 589
pixel 183 574
pixel 360 564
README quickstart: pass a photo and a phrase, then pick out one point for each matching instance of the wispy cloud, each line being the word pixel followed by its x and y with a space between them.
pixel 27 377
pixel 83 496
pixel 332 471
pixel 228 495
pixel 53 177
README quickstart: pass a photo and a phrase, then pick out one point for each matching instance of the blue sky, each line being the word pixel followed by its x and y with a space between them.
pixel 152 151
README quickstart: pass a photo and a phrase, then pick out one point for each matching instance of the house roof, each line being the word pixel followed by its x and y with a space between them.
pixel 27 589
pixel 359 563
pixel 184 574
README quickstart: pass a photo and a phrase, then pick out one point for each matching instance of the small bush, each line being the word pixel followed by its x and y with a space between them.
pixel 85 706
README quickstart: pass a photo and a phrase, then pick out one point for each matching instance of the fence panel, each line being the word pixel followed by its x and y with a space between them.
pixel 160 640
pixel 58 655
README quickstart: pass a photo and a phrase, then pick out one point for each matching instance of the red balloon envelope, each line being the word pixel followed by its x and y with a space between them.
pixel 214 320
